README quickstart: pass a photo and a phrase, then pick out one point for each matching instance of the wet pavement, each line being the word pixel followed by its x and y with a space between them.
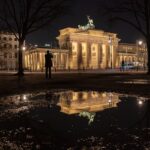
pixel 136 81
pixel 67 119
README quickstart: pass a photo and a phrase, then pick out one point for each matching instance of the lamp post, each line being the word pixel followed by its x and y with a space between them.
pixel 144 56
pixel 139 44
pixel 23 53
pixel 110 43
pixel 23 48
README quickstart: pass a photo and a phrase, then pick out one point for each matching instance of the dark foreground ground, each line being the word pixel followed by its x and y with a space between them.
pixel 138 83
pixel 38 124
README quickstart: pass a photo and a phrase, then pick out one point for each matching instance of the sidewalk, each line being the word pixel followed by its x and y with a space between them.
pixel 96 80
pixel 104 71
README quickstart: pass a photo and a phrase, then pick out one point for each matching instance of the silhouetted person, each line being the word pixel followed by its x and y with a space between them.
pixel 122 65
pixel 48 64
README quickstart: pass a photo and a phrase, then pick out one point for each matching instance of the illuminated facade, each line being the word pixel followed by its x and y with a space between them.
pixel 89 49
pixel 77 102
pixel 8 51
pixel 86 49
pixel 35 59
pixel 133 53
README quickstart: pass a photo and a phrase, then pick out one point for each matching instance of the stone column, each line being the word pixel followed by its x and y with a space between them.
pixel 83 55
pixel 58 61
pixel 32 61
pixel 95 55
pixel 88 55
pixel 35 59
pixel 67 61
pixel 74 55
pixel 38 60
pixel 79 57
pixel 114 58
pixel 106 56
pixel 99 56
pixel 43 60
pixel 62 61
pixel 36 56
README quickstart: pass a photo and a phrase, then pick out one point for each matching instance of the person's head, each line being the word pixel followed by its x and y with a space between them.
pixel 47 51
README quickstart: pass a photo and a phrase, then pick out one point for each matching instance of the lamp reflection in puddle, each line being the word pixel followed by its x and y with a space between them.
pixel 24 97
pixel 141 101
pixel 109 101
pixel 110 95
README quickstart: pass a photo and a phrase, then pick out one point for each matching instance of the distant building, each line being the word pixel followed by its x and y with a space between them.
pixel 133 53
pixel 86 102
pixel 87 49
pixel 35 58
pixel 8 51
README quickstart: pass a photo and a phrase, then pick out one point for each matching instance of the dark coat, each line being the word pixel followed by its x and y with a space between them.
pixel 122 63
pixel 48 60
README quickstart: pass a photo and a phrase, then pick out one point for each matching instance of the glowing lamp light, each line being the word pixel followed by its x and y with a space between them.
pixel 109 101
pixel 24 97
pixel 23 48
pixel 140 102
pixel 140 42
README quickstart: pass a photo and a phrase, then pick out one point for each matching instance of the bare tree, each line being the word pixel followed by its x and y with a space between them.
pixel 135 13
pixel 22 17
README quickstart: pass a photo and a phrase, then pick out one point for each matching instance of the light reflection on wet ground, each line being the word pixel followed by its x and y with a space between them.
pixel 55 119
pixel 136 81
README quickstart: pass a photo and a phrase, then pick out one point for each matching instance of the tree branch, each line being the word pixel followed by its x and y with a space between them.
pixel 131 23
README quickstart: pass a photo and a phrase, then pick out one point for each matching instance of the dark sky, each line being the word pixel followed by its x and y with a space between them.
pixel 79 10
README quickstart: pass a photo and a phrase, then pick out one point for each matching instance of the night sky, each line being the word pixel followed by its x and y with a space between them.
pixel 77 15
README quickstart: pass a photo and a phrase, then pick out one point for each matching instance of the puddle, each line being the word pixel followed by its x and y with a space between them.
pixel 70 102
pixel 137 81
pixel 53 119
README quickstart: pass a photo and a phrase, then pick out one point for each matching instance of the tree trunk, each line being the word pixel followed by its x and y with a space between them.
pixel 148 53
pixel 20 59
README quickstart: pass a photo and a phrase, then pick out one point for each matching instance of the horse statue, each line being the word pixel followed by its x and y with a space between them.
pixel 89 25
pixel 90 22
pixel 89 115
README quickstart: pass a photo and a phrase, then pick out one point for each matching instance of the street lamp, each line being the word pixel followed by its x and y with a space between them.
pixel 23 48
pixel 23 53
pixel 139 44
pixel 110 42
pixel 143 44
pixel 110 95
pixel 140 102
pixel 145 56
